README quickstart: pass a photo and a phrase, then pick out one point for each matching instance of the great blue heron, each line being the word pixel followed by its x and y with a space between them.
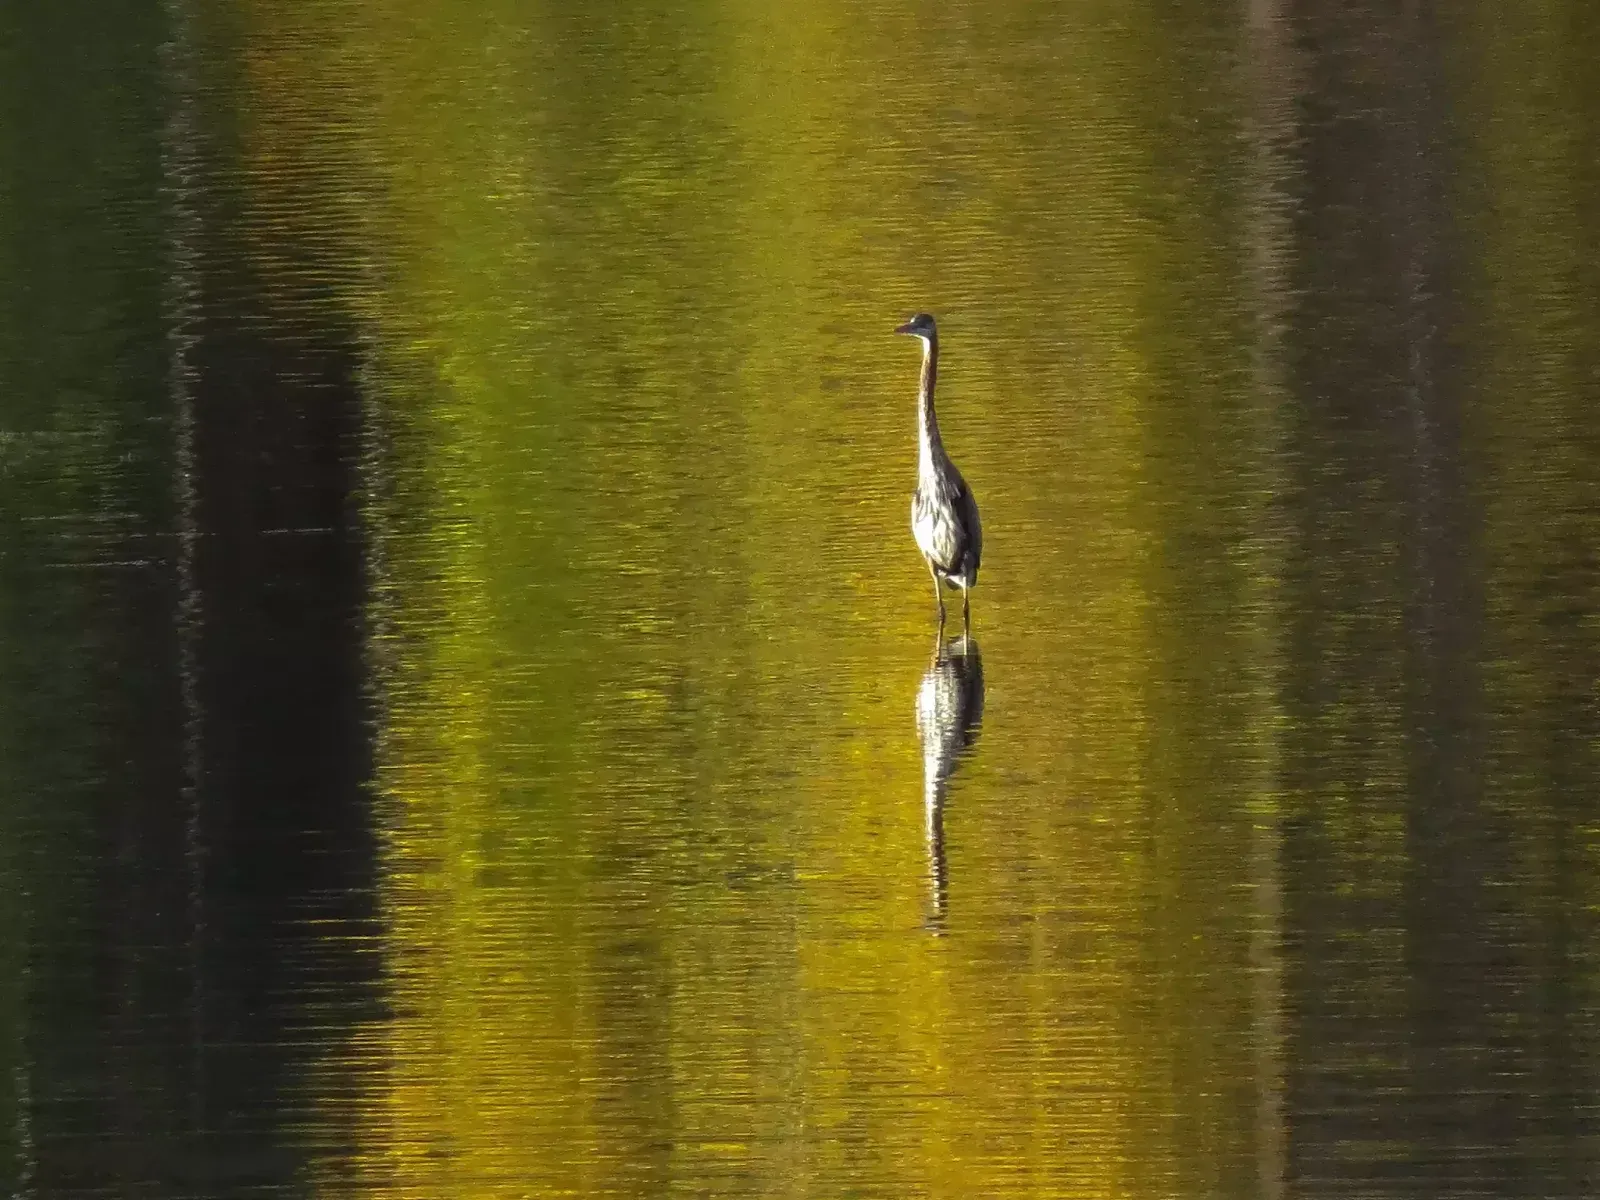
pixel 944 516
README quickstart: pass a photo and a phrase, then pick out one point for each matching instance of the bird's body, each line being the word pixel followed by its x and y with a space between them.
pixel 944 521
pixel 944 516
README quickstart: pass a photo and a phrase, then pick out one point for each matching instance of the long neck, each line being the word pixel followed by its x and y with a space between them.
pixel 928 443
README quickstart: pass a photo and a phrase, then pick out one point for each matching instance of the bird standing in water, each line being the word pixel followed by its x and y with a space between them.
pixel 944 516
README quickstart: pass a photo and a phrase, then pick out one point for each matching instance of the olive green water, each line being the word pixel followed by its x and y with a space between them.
pixel 472 719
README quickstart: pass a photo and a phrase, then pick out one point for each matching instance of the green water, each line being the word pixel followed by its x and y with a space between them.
pixel 473 721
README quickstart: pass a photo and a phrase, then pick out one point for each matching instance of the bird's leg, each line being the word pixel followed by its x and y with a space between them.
pixel 938 595
pixel 966 611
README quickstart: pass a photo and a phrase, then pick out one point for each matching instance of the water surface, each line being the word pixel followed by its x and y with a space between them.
pixel 475 722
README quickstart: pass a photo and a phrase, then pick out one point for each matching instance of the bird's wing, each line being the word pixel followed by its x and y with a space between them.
pixel 967 510
pixel 947 527
pixel 937 529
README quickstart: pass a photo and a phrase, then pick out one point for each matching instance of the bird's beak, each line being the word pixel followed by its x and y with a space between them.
pixel 906 328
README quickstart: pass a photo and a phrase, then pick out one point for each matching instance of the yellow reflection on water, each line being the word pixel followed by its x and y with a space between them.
pixel 648 629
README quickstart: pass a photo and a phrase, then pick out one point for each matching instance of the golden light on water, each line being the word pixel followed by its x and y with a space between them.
pixel 646 627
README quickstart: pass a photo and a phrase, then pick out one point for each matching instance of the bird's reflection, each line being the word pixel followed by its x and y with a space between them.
pixel 949 713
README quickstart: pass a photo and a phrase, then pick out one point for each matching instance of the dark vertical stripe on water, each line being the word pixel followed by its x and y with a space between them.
pixel 187 865
pixel 285 824
pixel 93 876
pixel 282 834
pixel 1409 928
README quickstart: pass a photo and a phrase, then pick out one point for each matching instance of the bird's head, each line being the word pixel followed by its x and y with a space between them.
pixel 920 326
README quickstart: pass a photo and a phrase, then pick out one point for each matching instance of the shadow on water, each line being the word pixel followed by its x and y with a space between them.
pixel 949 715
pixel 188 872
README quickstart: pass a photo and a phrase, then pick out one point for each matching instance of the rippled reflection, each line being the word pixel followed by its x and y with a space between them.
pixel 949 716
pixel 457 625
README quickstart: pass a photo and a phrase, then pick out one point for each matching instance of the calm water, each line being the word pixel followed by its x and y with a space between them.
pixel 472 721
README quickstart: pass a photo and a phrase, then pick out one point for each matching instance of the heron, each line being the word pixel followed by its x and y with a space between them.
pixel 944 516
